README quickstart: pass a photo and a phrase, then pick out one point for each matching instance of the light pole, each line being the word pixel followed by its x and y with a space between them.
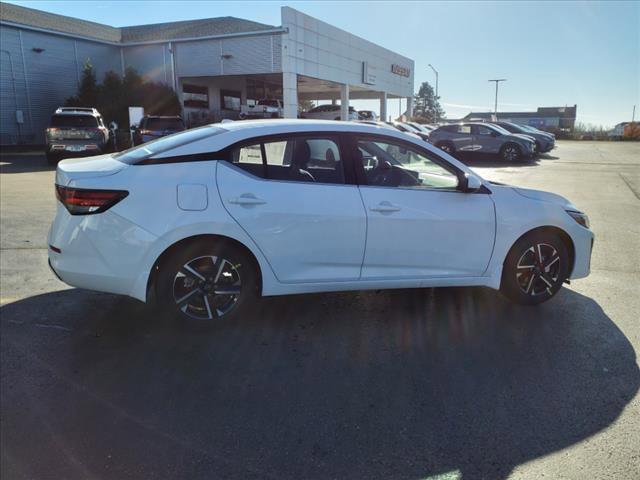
pixel 437 98
pixel 498 80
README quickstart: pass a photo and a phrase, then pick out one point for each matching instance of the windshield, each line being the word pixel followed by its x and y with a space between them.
pixel 80 121
pixel 503 131
pixel 146 150
pixel 164 124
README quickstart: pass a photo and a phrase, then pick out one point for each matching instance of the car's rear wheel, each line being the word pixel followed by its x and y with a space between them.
pixel 535 268
pixel 207 282
pixel 510 152
pixel 446 147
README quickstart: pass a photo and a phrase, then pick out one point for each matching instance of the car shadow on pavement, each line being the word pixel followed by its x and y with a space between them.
pixel 492 161
pixel 396 384
pixel 24 162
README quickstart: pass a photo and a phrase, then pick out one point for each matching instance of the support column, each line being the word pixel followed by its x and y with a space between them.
pixel 383 106
pixel 409 108
pixel 290 94
pixel 344 102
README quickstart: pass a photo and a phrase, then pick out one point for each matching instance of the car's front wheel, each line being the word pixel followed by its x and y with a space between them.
pixel 207 281
pixel 510 152
pixel 535 268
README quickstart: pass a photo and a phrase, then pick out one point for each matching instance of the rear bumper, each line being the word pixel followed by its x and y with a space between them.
pixel 100 252
pixel 76 148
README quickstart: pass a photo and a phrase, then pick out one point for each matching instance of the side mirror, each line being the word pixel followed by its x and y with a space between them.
pixel 470 183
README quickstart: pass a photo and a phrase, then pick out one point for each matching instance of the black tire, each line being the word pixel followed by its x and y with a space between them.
pixel 446 147
pixel 175 282
pixel 511 152
pixel 526 280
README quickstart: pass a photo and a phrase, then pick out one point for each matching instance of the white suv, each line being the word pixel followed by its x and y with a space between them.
pixel 213 217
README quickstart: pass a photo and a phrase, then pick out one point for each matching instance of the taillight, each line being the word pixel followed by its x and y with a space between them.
pixel 52 132
pixel 83 201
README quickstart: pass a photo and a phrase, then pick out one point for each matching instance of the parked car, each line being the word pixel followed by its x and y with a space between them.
pixel 483 138
pixel 329 112
pixel 544 141
pixel 533 129
pixel 377 123
pixel 422 127
pixel 265 108
pixel 408 128
pixel 368 115
pixel 75 132
pixel 212 218
pixel 153 127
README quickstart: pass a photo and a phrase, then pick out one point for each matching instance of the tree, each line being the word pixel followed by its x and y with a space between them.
pixel 427 107
pixel 113 97
pixel 306 105
pixel 87 90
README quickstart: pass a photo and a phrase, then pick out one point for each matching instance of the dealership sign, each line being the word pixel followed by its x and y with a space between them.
pixel 400 70
pixel 368 74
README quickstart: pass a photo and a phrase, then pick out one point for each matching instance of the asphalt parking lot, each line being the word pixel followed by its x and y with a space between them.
pixel 440 383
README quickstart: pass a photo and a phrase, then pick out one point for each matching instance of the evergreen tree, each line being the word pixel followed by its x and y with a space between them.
pixel 427 107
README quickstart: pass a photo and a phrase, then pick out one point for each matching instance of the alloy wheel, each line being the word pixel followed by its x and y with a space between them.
pixel 537 270
pixel 207 287
pixel 510 153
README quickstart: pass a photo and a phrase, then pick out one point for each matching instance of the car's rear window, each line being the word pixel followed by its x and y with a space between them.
pixel 74 121
pixel 136 154
pixel 164 124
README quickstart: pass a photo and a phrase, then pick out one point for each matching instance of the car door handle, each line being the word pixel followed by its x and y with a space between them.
pixel 247 199
pixel 385 207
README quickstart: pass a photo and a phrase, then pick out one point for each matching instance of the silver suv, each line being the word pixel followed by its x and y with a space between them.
pixel 483 138
pixel 75 132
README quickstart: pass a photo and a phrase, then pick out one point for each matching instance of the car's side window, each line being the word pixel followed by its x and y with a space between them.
pixel 305 159
pixel 249 158
pixel 464 129
pixel 390 164
pixel 300 159
pixel 480 130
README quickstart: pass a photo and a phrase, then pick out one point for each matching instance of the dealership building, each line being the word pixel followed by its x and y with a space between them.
pixel 215 65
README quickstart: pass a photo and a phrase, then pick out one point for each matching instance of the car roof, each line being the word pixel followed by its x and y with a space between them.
pixel 86 111
pixel 268 126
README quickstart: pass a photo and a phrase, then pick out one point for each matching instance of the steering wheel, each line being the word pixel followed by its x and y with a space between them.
pixel 382 175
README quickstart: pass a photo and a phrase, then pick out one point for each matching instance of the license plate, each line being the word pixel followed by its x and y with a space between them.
pixel 75 148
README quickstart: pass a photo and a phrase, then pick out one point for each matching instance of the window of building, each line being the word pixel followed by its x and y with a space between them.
pixel 230 100
pixel 195 96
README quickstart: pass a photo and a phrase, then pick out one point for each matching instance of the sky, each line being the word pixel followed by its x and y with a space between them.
pixel 551 53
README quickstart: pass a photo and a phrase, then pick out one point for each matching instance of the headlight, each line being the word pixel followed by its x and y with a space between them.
pixel 579 217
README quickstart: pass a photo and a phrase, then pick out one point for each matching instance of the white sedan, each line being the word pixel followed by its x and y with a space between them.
pixel 211 218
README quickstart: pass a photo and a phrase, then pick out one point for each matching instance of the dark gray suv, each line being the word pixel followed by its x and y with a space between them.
pixel 483 138
pixel 544 141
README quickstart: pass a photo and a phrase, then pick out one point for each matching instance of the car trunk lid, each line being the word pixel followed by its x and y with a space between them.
pixel 88 167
